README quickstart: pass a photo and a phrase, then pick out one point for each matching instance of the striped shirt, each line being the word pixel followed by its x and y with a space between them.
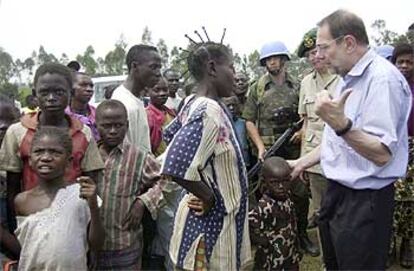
pixel 203 147
pixel 128 173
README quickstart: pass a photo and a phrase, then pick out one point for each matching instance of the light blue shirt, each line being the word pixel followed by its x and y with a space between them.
pixel 379 105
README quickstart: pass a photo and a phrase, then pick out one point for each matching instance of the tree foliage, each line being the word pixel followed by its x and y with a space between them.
pixel 21 70
pixel 146 37
pixel 383 36
pixel 115 59
pixel 87 60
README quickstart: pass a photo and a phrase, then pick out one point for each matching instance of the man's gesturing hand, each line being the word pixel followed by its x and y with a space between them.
pixel 331 110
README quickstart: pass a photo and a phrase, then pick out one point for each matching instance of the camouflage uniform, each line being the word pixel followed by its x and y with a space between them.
pixel 263 100
pixel 311 85
pixel 404 197
pixel 273 223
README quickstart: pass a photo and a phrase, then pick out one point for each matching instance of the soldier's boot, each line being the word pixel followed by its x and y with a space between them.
pixel 406 253
pixel 308 246
pixel 392 254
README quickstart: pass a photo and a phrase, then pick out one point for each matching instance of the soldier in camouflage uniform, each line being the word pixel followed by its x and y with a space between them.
pixel 318 79
pixel 272 222
pixel 270 108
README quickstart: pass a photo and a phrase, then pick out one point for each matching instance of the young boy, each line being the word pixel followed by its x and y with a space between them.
pixel 131 183
pixel 234 106
pixel 159 115
pixel 272 223
pixel 53 84
pixel 58 221
pixel 32 105
pixel 8 244
pixel 173 79
pixel 79 106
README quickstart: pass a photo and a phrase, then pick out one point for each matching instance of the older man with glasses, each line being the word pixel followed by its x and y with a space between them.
pixel 364 147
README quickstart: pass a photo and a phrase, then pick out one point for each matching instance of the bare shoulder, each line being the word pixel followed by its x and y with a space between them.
pixel 21 202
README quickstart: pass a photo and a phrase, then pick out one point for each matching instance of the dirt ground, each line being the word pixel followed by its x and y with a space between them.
pixel 309 263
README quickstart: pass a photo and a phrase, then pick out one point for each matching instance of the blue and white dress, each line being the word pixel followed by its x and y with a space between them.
pixel 203 147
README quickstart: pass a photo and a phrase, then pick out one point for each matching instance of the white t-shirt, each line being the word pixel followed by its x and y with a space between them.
pixel 138 131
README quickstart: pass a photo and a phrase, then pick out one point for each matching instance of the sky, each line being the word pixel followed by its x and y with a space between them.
pixel 69 26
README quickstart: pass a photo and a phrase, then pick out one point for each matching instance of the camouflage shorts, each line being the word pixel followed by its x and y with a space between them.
pixel 404 187
pixel 404 219
pixel 403 225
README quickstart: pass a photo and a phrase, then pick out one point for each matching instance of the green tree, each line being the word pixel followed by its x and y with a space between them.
pixel 88 61
pixel 64 59
pixel 382 35
pixel 115 59
pixel 101 66
pixel 146 37
pixel 163 50
pixel 178 62
pixel 44 57
pixel 6 66
pixel 297 68
pixel 10 90
pixel 253 68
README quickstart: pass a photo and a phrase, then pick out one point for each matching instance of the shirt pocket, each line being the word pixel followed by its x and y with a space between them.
pixel 312 140
pixel 309 103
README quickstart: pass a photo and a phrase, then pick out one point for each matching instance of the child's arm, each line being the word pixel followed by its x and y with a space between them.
pixel 96 233
pixel 152 198
pixel 256 227
pixel 10 243
pixel 13 181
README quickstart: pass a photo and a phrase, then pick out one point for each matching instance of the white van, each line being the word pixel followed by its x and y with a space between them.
pixel 99 84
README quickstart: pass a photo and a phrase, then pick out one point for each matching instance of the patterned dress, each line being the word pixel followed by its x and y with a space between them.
pixel 273 230
pixel 203 147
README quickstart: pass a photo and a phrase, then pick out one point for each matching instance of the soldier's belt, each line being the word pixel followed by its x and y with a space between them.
pixel 272 131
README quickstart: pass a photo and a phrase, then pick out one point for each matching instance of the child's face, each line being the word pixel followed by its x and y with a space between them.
pixel 7 117
pixel 277 185
pixel 82 88
pixel 48 158
pixel 52 91
pixel 232 104
pixel 159 93
pixel 112 124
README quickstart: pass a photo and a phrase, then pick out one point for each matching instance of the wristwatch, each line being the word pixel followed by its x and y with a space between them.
pixel 345 129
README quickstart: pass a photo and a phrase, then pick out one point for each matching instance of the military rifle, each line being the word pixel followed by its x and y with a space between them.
pixel 275 147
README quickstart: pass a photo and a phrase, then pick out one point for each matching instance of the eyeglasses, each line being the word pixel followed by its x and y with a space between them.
pixel 322 47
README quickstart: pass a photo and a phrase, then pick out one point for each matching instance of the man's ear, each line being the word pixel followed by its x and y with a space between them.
pixel 350 43
pixel 211 68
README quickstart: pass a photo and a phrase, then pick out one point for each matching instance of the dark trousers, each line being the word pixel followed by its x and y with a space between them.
pixel 355 227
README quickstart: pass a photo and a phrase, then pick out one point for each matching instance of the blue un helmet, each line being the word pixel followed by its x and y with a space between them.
pixel 274 48
pixel 385 51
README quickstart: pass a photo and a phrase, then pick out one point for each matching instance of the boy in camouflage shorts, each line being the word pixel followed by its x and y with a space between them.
pixel 272 222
